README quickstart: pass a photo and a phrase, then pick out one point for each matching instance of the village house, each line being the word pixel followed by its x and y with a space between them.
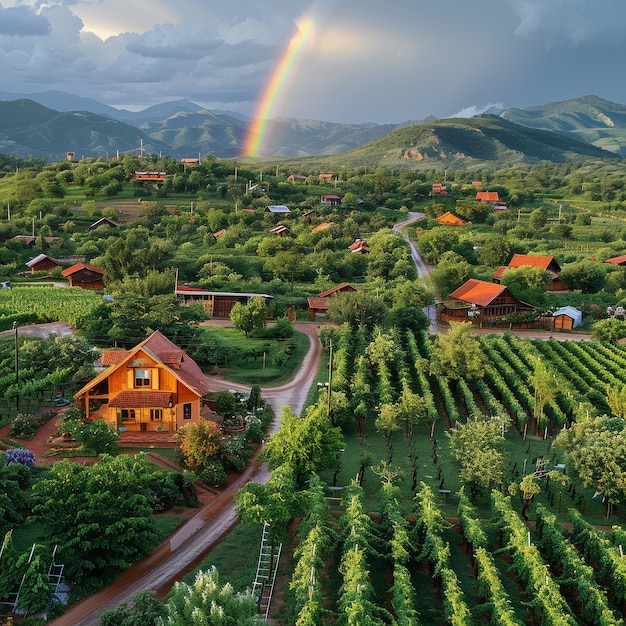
pixel 215 303
pixel 319 305
pixel 155 386
pixel 84 276
pixel 330 199
pixel 103 221
pixel 42 263
pixel 359 246
pixel 477 300
pixel 277 209
pixel 282 231
pixel 547 263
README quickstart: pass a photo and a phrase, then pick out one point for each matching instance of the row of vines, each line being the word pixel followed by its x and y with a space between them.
pixel 408 563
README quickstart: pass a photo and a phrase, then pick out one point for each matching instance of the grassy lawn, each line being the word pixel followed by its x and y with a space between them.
pixel 235 565
pixel 262 369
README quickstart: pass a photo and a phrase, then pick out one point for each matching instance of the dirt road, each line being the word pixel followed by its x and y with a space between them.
pixel 187 546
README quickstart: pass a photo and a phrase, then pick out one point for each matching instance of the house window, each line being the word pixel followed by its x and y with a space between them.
pixel 187 411
pixel 156 415
pixel 142 378
pixel 128 415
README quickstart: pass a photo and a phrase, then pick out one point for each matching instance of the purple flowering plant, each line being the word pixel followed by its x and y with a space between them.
pixel 19 455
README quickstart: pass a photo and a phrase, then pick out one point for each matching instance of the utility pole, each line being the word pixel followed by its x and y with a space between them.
pixel 17 367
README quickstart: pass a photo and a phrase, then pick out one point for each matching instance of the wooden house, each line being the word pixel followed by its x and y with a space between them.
pixel 84 276
pixel 330 199
pixel 155 386
pixel 282 231
pixel 215 303
pixel 157 177
pixel 292 178
pixel 319 305
pixel 42 263
pixel 477 300
pixel 547 263
pixel 103 221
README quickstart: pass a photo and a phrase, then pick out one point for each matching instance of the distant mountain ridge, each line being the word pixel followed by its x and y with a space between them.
pixel 49 124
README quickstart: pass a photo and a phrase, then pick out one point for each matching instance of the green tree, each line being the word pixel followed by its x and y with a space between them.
pixel 250 316
pixel 616 399
pixel 610 330
pixel 146 610
pixel 494 251
pixel 538 218
pixel 433 243
pixel 587 276
pixel 476 446
pixel 527 283
pixel 357 308
pixel 451 272
pixel 209 603
pixel 596 448
pixel 545 388
pixel 307 444
pixel 76 502
pixel 457 354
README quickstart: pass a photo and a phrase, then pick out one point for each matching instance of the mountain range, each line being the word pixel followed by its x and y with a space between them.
pixel 52 123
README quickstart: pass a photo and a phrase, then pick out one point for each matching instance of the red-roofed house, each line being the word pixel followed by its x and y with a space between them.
pixel 476 300
pixel 155 386
pixel 319 305
pixel 547 263
pixel 85 276
pixel 617 260
pixel 487 196
pixel 215 303
pixel 360 246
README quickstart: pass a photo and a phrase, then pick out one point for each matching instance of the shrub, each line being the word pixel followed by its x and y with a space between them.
pixel 213 473
pixel 19 456
pixel 25 425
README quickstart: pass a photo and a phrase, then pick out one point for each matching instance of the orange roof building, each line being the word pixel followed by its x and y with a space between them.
pixel 617 260
pixel 544 262
pixel 84 276
pixel 482 300
pixel 450 219
pixel 487 196
pixel 155 386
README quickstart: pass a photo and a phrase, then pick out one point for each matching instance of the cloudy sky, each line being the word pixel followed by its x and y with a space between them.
pixel 333 60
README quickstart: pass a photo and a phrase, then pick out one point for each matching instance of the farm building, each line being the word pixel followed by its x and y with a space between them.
pixel 84 276
pixel 547 263
pixel 277 209
pixel 216 303
pixel 567 318
pixel 41 263
pixel 477 300
pixel 155 386
pixel 359 246
pixel 319 305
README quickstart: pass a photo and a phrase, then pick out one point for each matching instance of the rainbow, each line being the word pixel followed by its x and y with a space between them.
pixel 274 91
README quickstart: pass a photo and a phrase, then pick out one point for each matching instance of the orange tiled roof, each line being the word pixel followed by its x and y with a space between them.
pixel 68 271
pixel 322 226
pixel 319 304
pixel 487 196
pixel 141 399
pixel 450 219
pixel 524 260
pixel 478 292
pixel 342 287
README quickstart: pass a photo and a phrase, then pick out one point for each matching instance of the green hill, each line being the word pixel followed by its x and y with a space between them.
pixel 461 143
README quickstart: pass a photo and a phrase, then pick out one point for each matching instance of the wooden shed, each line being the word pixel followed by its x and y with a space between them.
pixel 567 318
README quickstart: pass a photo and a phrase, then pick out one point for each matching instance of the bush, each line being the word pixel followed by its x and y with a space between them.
pixel 213 473
pixel 19 456
pixel 25 425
